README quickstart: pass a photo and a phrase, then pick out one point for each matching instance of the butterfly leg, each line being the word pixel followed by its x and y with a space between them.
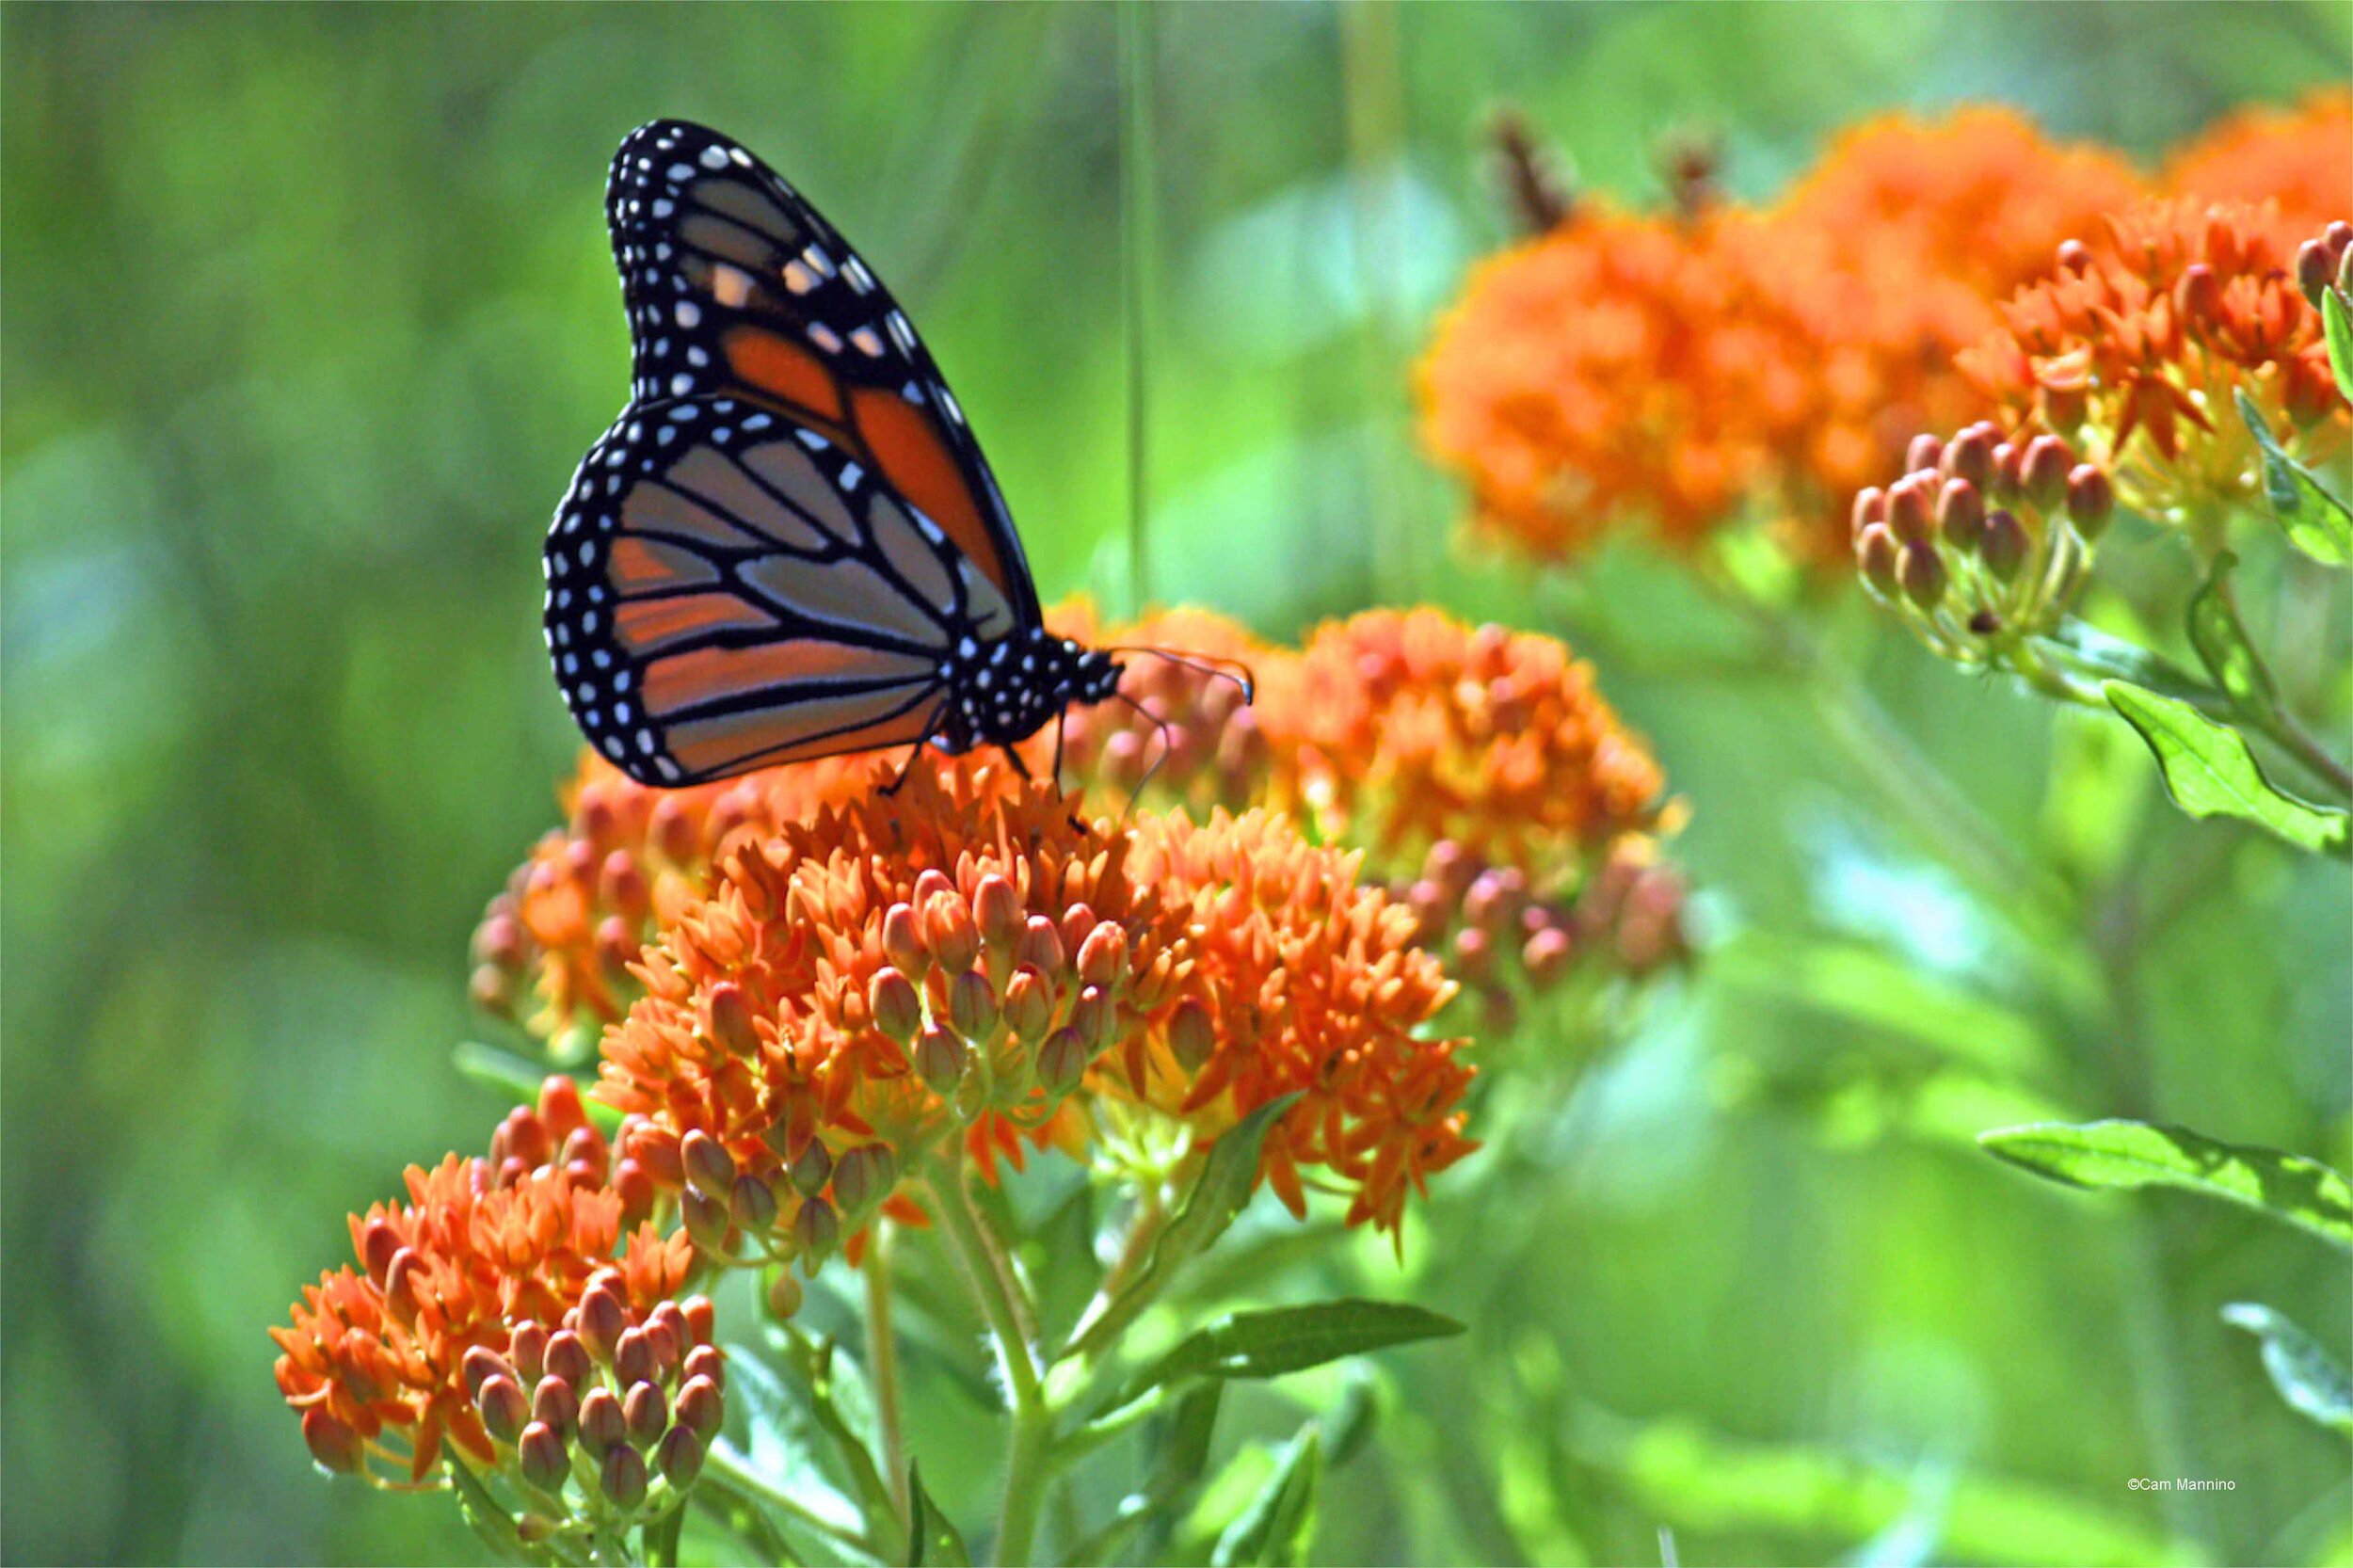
pixel 921 740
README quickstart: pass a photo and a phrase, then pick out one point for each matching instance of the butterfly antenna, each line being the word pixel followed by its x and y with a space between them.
pixel 1168 747
pixel 1211 664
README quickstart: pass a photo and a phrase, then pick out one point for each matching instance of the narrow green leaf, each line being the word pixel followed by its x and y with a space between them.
pixel 2223 645
pixel 2306 1376
pixel 1183 1448
pixel 1276 1526
pixel 783 1439
pixel 491 1521
pixel 1283 1339
pixel 932 1536
pixel 658 1539
pixel 1228 1176
pixel 2123 1154
pixel 2211 773
pixel 494 1068
pixel 2337 323
pixel 2316 522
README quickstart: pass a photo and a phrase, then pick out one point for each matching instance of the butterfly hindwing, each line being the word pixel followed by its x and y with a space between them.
pixel 736 286
pixel 729 587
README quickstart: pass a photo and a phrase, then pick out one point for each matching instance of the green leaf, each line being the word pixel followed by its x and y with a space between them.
pixel 1276 1525
pixel 2305 1375
pixel 2316 522
pixel 1183 1449
pixel 503 1070
pixel 2338 325
pixel 1228 1176
pixel 783 1439
pixel 1284 1340
pixel 932 1536
pixel 2140 1154
pixel 491 1521
pixel 2211 773
pixel 2223 645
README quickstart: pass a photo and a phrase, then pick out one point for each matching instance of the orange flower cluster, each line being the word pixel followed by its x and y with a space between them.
pixel 2299 158
pixel 1391 731
pixel 959 961
pixel 1686 375
pixel 376 1359
pixel 2136 348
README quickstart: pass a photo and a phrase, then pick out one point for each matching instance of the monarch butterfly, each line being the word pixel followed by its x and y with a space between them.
pixel 789 544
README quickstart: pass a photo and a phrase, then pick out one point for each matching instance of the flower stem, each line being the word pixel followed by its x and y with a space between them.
pixel 882 1366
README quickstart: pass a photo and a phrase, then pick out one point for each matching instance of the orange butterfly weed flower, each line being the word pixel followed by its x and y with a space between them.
pixel 855 987
pixel 2301 158
pixel 1419 727
pixel 1302 980
pixel 2137 349
pixel 376 1360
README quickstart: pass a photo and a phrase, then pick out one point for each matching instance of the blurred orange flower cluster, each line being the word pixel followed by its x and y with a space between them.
pixel 1685 374
pixel 376 1358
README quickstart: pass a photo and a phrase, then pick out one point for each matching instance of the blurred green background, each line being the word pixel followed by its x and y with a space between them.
pixel 308 316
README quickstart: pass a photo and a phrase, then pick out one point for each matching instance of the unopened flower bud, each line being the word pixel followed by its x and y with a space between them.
pixel 709 1169
pixel 855 1178
pixel 898 1011
pixel 1041 946
pixel 681 1456
pixel 699 1404
pixel 567 1358
pixel 816 1228
pixel 527 1348
pixel 482 1364
pixel 2199 296
pixel 2090 501
pixel 616 945
pixel 939 1061
pixel 646 1411
pixel 635 1189
pixel 732 1023
pixel 903 943
pixel 622 886
pixel 1496 898
pixel 331 1442
pixel 813 1169
pixel 1960 515
pixel 2314 270
pixel 540 1454
pixel 1103 956
pixel 1474 955
pixel 1870 507
pixel 784 1298
pixel 556 1405
pixel 1545 955
pixel 1029 1003
pixel 972 1004
pixel 707 1361
pixel 706 1219
pixel 1970 456
pixel 930 885
pixel 601 1319
pixel 954 940
pixel 702 1318
pixel 1924 452
pixel 2005 545
pixel 2006 459
pixel 1061 1061
pixel 751 1205
pixel 504 1407
pixel 2043 474
pixel 1095 1018
pixel 623 1476
pixel 1192 1038
pixel 2074 256
pixel 1921 571
pixel 1907 512
pixel 602 1423
pixel 996 911
pixel 400 1284
pixel 1875 558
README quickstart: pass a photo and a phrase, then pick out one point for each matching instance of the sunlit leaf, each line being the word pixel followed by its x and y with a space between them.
pixel 1276 1525
pixel 2337 323
pixel 2222 643
pixel 2120 1154
pixel 783 1438
pixel 2212 773
pixel 2306 1376
pixel 1278 1341
pixel 2316 522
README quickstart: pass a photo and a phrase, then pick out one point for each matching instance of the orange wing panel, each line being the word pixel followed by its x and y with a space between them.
pixel 766 736
pixel 907 446
pixel 774 367
pixel 646 624
pixel 710 674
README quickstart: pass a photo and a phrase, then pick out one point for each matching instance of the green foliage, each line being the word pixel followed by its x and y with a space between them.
pixel 932 1536
pixel 1284 1340
pixel 1277 1524
pixel 2120 1154
pixel 2211 772
pixel 2224 646
pixel 2337 322
pixel 2306 1376
pixel 2315 519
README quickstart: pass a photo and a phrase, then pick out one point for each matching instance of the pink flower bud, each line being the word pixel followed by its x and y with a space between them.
pixel 1061 1062
pixel 812 1170
pixel 333 1444
pixel 1907 512
pixel 503 1407
pixel 1924 452
pixel 1970 456
pixel 1095 1018
pixel 567 1358
pixel 816 1228
pixel 903 943
pixel 707 1221
pixel 972 1004
pixel 602 1319
pixel 709 1169
pixel 2043 474
pixel 857 1180
pixel 1041 946
pixel 939 1061
pixel 1870 507
pixel 2090 501
pixel 623 1476
pixel 1474 955
pixel 556 1406
pixel 1029 1003
pixel 1875 558
pixel 784 1296
pixel 2074 256
pixel 1192 1037
pixel 646 1411
pixel 1960 515
pixel 2198 297
pixel 622 886
pixel 1545 955
pixel 527 1348
pixel 701 1318
pixel 898 1011
pixel 540 1456
pixel 699 1406
pixel 1921 571
pixel 2005 546
pixel 482 1364
pixel 1103 956
pixel 601 1423
pixel 731 1020
pixel 681 1456
pixel 751 1205
pixel 2314 269
pixel 996 911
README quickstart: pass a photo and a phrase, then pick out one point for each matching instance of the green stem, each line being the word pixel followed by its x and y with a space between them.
pixel 2283 730
pixel 1026 1467
pixel 736 1470
pixel 1135 238
pixel 882 1364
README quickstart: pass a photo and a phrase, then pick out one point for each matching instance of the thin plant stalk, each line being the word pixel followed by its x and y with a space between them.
pixel 882 1364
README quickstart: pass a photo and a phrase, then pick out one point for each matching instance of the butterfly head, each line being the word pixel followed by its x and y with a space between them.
pixel 1003 690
